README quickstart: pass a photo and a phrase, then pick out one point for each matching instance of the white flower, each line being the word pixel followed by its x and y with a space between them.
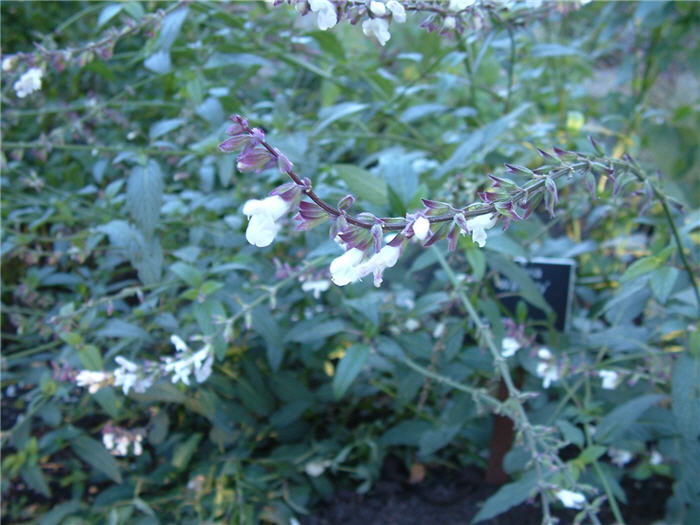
pixel 8 63
pixel 458 5
pixel 398 13
pixel 509 346
pixel 108 440
pixel 439 330
pixel 385 258
pixel 263 215
pixel 316 467
pixel 411 325
pixel 620 457
pixel 122 445
pixel 449 23
pixel 90 379
pixel 316 287
pixel 547 368
pixel 125 376
pixel 344 268
pixel 377 8
pixel 180 345
pixel 421 228
pixel 377 27
pixel 29 82
pixel 326 15
pixel 478 226
pixel 609 379
pixel 202 369
pixel 138 448
pixel 656 458
pixel 571 499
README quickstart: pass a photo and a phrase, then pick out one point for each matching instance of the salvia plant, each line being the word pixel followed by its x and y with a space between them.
pixel 251 381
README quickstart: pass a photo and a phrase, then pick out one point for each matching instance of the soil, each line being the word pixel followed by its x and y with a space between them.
pixel 454 497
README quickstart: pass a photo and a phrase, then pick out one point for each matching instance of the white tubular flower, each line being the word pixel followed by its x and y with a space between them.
pixel 316 287
pixel 620 457
pixel 263 215
pixel 126 375
pixel 179 344
pixel 326 15
pixel 8 63
pixel 138 448
pixel 29 82
pixel 344 268
pixel 316 467
pixel 202 373
pixel 377 27
pixel 93 380
pixel 571 499
pixel 421 228
pixel 449 23
pixel 377 8
pixel 608 379
pixel 386 258
pixel 509 346
pixel 108 440
pixel 478 226
pixel 547 367
pixel 398 13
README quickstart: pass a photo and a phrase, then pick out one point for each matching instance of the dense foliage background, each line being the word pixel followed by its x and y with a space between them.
pixel 122 227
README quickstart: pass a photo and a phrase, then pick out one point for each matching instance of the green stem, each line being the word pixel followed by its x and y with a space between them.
pixel 518 412
pixel 641 176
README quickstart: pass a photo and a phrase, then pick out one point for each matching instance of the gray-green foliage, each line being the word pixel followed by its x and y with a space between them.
pixel 122 226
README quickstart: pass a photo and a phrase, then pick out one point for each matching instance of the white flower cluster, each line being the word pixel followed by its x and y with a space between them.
pixel 140 377
pixel 377 26
pixel 571 499
pixel 198 363
pixel 509 346
pixel 351 266
pixel 29 82
pixel 118 440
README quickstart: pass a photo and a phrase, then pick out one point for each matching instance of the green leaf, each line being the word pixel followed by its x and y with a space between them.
pixel 144 194
pixel 685 396
pixel 147 257
pixel 349 367
pixel 34 477
pixel 170 27
pixel 662 282
pixel 363 184
pixel 314 331
pixel 477 261
pixel 554 50
pixel 95 454
pixel 184 451
pixel 590 454
pixel 640 267
pixel 187 273
pixel 90 357
pixel 266 325
pixel 622 417
pixel 122 329
pixel 108 13
pixel 508 496
pixel 436 438
pixel 571 433
pixel 337 112
pixel 162 127
pixel 58 512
